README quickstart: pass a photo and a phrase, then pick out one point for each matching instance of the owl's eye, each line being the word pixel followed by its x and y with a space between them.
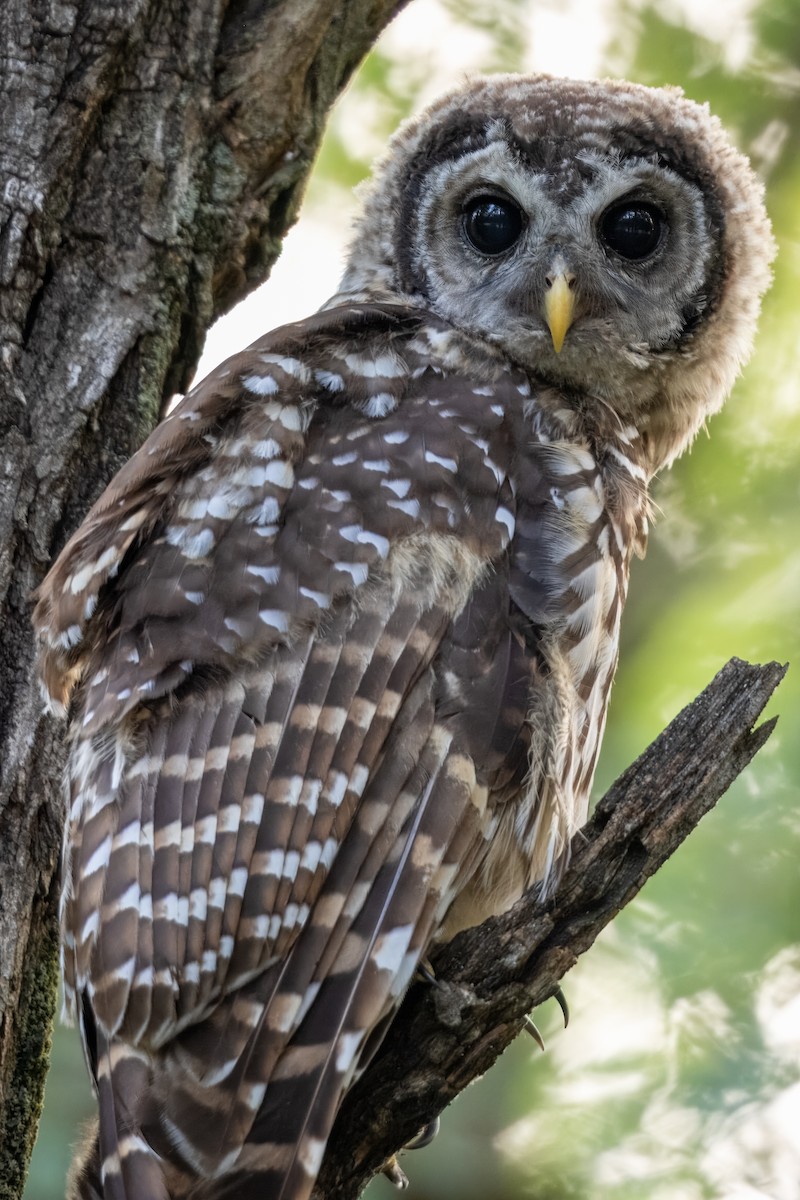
pixel 632 229
pixel 492 224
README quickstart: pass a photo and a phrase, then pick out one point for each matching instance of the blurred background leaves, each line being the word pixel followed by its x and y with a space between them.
pixel 678 1076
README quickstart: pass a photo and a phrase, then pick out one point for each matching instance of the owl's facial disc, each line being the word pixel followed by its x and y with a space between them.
pixel 660 221
pixel 581 262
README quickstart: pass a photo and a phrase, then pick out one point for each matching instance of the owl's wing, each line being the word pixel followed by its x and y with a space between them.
pixel 206 481
pixel 275 790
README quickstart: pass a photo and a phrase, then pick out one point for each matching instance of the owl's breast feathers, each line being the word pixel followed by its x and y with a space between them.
pixel 343 631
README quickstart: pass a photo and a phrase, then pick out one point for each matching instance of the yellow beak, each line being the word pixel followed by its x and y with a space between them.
pixel 559 307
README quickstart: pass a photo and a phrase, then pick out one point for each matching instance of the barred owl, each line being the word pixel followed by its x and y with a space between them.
pixel 337 643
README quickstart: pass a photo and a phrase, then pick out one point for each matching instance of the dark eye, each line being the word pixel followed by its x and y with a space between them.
pixel 492 224
pixel 632 229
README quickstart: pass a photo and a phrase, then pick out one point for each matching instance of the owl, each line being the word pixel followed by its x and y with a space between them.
pixel 336 644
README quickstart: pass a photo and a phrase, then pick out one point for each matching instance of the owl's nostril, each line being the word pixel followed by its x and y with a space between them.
pixel 570 279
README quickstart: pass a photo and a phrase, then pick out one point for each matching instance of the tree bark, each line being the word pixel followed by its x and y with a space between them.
pixel 152 156
pixel 489 978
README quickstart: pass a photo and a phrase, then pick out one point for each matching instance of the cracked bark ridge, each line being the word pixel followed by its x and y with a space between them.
pixel 152 156
pixel 492 976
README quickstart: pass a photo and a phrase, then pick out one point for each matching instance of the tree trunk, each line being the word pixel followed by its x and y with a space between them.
pixel 152 157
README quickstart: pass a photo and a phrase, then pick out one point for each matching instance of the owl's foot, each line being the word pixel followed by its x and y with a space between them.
pixel 530 1027
pixel 394 1172
pixel 392 1169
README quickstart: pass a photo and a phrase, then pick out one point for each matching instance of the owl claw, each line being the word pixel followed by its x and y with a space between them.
pixel 394 1173
pixel 392 1169
pixel 425 1136
pixel 426 972
pixel 561 1001
pixel 530 1028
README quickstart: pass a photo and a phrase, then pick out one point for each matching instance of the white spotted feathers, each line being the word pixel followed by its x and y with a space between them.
pixel 337 643
pixel 259 705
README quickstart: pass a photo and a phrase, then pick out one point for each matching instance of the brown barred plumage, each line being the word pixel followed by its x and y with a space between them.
pixel 343 633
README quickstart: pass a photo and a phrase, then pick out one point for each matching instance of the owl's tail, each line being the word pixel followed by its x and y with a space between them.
pixel 240 1105
pixel 115 1162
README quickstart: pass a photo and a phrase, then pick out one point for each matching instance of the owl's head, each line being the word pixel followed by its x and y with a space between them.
pixel 607 237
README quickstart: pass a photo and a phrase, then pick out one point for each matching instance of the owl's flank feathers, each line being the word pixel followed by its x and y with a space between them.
pixel 337 643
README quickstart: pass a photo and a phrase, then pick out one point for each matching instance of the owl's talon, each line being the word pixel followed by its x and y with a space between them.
pixel 530 1028
pixel 425 1136
pixel 392 1169
pixel 427 973
pixel 394 1173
